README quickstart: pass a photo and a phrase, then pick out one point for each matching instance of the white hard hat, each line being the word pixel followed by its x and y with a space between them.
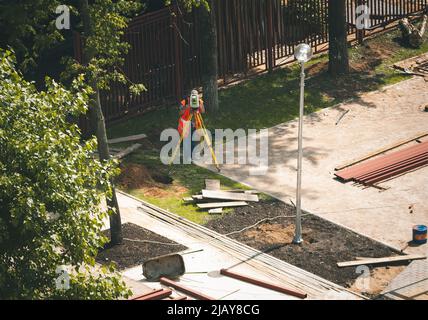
pixel 194 91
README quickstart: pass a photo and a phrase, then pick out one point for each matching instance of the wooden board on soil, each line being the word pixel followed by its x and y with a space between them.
pixel 133 251
pixel 224 195
pixel 370 261
pixel 128 138
pixel 212 205
pixel 215 211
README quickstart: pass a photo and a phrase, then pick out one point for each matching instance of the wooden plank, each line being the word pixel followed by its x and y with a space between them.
pixel 188 199
pixel 263 284
pixel 224 195
pixel 244 191
pixel 222 204
pixel 157 295
pixel 146 294
pixel 380 260
pixel 186 290
pixel 128 138
pixel 127 151
pixel 380 151
pixel 212 184
pixel 178 298
pixel 251 191
pixel 197 197
pixel 215 211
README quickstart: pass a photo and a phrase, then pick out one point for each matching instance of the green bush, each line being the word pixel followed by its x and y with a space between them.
pixel 50 193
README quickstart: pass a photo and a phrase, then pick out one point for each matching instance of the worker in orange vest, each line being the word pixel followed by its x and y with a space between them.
pixel 188 122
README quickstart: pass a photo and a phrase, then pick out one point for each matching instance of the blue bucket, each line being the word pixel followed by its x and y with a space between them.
pixel 420 234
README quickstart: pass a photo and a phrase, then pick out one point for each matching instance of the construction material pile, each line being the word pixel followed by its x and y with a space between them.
pixel 417 66
pixel 213 199
pixel 388 166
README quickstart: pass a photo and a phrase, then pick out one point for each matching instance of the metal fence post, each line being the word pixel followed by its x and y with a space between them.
pixel 360 34
pixel 269 36
pixel 177 56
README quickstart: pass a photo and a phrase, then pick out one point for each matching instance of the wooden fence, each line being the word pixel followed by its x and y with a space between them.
pixel 253 36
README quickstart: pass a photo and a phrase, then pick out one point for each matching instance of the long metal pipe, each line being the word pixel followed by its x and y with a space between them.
pixel 298 231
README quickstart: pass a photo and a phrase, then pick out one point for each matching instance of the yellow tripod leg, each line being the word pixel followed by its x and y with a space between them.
pixel 174 154
pixel 208 141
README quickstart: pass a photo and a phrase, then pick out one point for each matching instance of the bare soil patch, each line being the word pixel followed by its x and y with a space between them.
pixel 133 251
pixel 324 243
pixel 151 183
pixel 380 278
pixel 134 176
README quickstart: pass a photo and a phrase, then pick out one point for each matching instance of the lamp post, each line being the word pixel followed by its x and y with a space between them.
pixel 302 53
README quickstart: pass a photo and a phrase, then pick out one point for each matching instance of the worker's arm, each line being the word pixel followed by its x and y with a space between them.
pixel 182 106
pixel 201 106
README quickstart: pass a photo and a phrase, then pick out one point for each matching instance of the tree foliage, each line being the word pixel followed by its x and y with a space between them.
pixel 51 188
pixel 28 26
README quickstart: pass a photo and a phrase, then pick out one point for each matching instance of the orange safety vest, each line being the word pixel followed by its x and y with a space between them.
pixel 184 123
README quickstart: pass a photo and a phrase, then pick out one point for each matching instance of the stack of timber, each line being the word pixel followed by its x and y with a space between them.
pixel 213 199
pixel 387 166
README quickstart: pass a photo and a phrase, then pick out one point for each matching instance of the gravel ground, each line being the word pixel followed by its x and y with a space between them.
pixel 132 253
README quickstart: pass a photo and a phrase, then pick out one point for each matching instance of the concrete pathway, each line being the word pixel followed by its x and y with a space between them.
pixel 412 283
pixel 376 120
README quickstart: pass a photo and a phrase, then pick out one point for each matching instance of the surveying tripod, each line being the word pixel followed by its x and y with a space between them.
pixel 207 139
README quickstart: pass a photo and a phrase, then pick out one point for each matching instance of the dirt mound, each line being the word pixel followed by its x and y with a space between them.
pixel 276 234
pixel 135 176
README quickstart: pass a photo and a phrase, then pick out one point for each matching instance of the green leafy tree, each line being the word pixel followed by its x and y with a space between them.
pixel 51 188
pixel 104 23
pixel 28 26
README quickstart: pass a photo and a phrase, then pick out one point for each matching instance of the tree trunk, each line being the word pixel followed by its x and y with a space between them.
pixel 209 56
pixel 338 43
pixel 98 126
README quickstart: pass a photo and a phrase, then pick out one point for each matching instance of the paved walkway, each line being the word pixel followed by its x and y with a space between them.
pixel 376 120
pixel 412 283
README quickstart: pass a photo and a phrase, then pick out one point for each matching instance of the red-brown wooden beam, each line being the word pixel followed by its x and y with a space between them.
pixel 179 298
pixel 156 295
pixel 398 171
pixel 184 289
pixel 386 168
pixel 381 162
pixel 263 284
